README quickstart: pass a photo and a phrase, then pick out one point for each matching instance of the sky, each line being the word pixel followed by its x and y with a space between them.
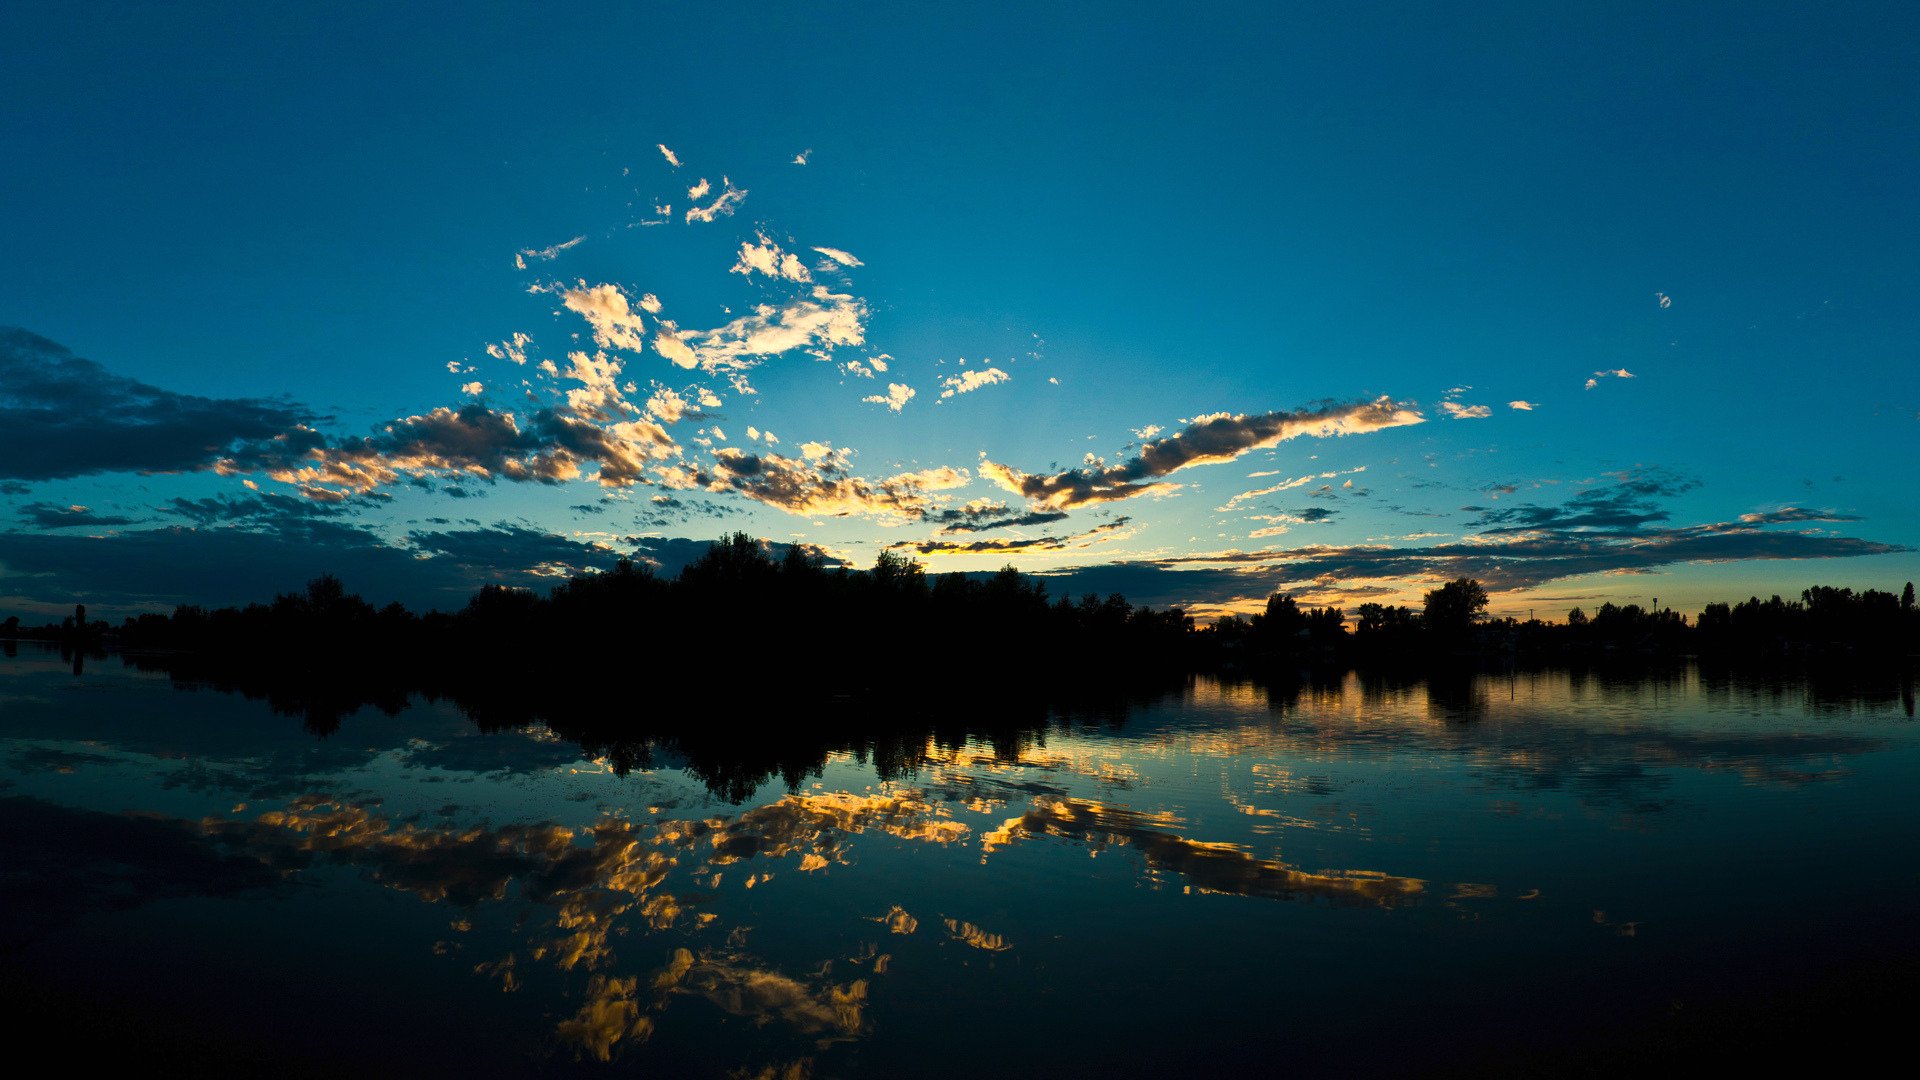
pixel 1198 302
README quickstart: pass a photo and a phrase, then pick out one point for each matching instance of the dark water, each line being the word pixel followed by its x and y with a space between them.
pixel 1494 874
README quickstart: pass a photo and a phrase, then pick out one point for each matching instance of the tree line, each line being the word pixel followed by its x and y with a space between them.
pixel 743 618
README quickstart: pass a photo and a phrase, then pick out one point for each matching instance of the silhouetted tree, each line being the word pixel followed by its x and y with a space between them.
pixel 1452 609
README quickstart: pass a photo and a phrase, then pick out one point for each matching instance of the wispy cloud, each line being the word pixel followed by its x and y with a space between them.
pixel 545 254
pixel 672 158
pixel 1465 412
pixel 723 205
pixel 817 323
pixel 1113 530
pixel 1615 373
pixel 968 381
pixel 1213 439
pixel 839 256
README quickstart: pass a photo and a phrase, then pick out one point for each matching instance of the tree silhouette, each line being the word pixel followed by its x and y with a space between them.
pixel 1452 609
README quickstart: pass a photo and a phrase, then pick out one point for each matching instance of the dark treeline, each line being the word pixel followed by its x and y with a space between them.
pixel 753 621
pixel 775 640
pixel 1824 624
pixel 745 667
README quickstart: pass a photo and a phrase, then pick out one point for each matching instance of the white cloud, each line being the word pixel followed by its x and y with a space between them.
pixel 767 258
pixel 1523 406
pixel 615 324
pixel 545 254
pixel 896 397
pixel 667 405
pixel 818 323
pixel 968 381
pixel 514 349
pixel 1147 432
pixel 472 389
pixel 672 158
pixel 699 190
pixel 1616 373
pixel 722 206
pixel 839 256
pixel 801 157
pixel 1465 412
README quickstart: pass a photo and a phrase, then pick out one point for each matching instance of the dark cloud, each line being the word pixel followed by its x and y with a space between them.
pixel 262 506
pixel 519 555
pixel 49 516
pixel 996 516
pixel 256 558
pixel 1210 440
pixel 1094 535
pixel 62 416
pixel 1622 506
pixel 1607 529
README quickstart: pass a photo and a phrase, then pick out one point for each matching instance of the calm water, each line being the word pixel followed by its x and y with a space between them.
pixel 1349 878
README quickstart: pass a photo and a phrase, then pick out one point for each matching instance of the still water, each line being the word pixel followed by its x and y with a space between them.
pixel 1342 877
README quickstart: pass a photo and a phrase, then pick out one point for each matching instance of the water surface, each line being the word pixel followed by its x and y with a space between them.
pixel 1352 875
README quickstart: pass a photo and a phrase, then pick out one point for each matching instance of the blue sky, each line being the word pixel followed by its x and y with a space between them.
pixel 261 220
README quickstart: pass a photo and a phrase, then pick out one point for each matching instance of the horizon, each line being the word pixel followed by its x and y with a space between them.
pixel 1592 306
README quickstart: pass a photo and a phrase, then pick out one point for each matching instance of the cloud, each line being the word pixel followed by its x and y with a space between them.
pixel 968 381
pixel 545 254
pixel 1147 432
pixel 239 564
pixel 263 506
pixel 1112 530
pixel 819 322
pixel 1790 514
pixel 1465 412
pixel 1213 439
pixel 1663 299
pixel 981 515
pixel 1523 406
pixel 615 324
pixel 62 416
pixel 1616 373
pixel 839 256
pixel 722 206
pixel 552 446
pixel 767 258
pixel 823 486
pixel 1626 504
pixel 673 159
pixel 514 348
pixel 896 397
pixel 51 516
pixel 801 157
pixel 699 190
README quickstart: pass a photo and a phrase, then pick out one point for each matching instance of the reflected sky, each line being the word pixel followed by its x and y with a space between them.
pixel 1552 844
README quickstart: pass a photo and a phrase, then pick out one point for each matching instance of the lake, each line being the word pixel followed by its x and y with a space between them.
pixel 1497 873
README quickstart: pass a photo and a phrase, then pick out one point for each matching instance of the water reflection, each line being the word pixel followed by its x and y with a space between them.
pixel 1209 866
pixel 812 900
